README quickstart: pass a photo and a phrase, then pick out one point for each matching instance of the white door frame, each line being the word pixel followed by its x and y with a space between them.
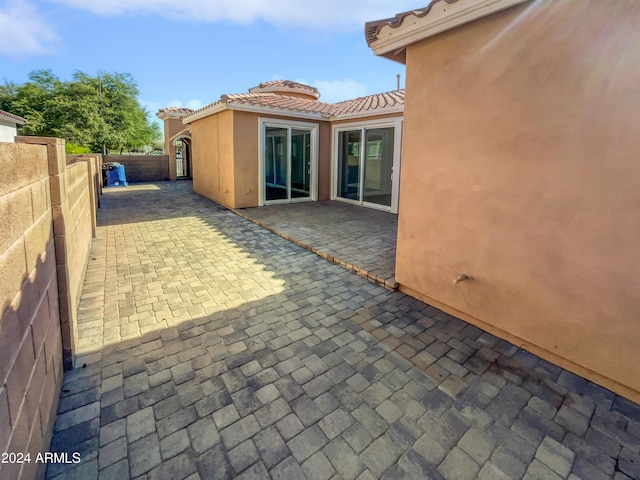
pixel 396 123
pixel 313 174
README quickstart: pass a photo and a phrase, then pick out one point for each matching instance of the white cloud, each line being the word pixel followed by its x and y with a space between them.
pixel 23 31
pixel 194 104
pixel 333 91
pixel 327 14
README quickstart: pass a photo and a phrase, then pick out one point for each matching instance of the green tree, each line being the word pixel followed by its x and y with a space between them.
pixel 97 113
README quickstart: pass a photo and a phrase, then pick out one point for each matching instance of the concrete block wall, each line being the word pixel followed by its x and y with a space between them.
pixel 94 178
pixel 73 234
pixel 30 339
pixel 73 227
pixel 47 222
pixel 143 168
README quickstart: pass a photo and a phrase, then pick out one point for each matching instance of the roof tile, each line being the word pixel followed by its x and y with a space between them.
pixel 175 112
pixel 15 118
pixel 372 29
pixel 284 85
pixel 280 101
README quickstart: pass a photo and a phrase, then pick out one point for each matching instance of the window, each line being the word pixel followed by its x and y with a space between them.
pixel 366 158
pixel 288 161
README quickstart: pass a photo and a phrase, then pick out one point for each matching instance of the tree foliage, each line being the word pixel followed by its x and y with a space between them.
pixel 90 112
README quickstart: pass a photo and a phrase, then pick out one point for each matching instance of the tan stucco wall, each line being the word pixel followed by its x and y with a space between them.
pixel 212 158
pixel 521 170
pixel 238 183
pixel 325 151
pixel 246 154
pixel 171 127
pixel 226 157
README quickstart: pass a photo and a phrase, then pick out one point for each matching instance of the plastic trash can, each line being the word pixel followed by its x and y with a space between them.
pixel 115 175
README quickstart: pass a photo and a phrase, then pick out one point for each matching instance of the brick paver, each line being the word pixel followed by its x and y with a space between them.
pixel 216 349
pixel 358 238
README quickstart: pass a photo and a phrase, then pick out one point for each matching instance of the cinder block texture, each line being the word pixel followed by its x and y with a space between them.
pixel 36 184
pixel 27 275
pixel 143 168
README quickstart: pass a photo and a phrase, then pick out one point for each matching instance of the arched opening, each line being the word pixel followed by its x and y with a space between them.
pixel 183 157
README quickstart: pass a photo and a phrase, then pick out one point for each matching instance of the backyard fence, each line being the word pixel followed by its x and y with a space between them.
pixel 47 221
pixel 142 168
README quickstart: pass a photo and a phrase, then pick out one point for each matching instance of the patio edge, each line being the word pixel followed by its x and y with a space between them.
pixel 389 283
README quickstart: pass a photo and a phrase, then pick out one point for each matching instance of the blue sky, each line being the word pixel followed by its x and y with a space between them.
pixel 189 52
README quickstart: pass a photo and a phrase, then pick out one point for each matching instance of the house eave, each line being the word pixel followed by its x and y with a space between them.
pixel 205 112
pixel 391 39
pixel 376 112
pixel 254 109
pixel 10 117
pixel 228 104
pixel 278 111
pixel 165 116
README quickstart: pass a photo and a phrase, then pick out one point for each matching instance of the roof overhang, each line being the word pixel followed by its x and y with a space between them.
pixel 219 107
pixel 281 112
pixel 384 104
pixel 390 37
pixel 374 112
pixel 205 112
pixel 12 118
pixel 164 115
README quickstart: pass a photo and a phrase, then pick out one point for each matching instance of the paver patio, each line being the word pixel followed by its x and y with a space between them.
pixel 361 239
pixel 216 349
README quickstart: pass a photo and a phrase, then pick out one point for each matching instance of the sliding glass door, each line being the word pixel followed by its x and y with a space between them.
pixel 276 155
pixel 378 166
pixel 300 163
pixel 349 146
pixel 287 162
pixel 364 173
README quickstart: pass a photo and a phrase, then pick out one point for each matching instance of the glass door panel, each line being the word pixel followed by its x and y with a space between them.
pixel 276 155
pixel 349 145
pixel 300 163
pixel 378 166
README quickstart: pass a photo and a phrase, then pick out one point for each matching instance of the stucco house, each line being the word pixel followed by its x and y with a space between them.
pixel 278 143
pixel 9 126
pixel 520 176
pixel 177 141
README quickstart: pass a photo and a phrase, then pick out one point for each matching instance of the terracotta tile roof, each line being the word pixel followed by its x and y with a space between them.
pixel 13 118
pixel 371 29
pixel 390 37
pixel 284 85
pixel 379 103
pixel 174 112
pixel 283 102
pixel 369 103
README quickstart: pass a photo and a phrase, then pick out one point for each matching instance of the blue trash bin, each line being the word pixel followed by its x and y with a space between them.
pixel 116 176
